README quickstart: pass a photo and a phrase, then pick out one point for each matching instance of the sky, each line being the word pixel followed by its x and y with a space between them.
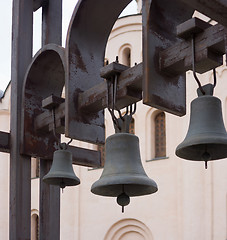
pixel 5 27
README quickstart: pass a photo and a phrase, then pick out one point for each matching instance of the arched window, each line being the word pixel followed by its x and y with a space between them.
pixel 160 135
pixel 126 56
pixel 34 227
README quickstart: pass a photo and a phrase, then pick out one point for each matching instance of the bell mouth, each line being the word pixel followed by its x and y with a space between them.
pixel 133 186
pixel 199 152
pixel 61 178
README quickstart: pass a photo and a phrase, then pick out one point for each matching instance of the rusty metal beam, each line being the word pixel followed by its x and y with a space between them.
pixel 50 195
pixel 38 4
pixel 215 9
pixel 209 45
pixel 52 22
pixel 49 202
pixel 95 99
pixel 85 46
pixel 44 121
pixel 129 91
pixel 4 142
pixel 20 165
pixel 160 19
pixel 85 157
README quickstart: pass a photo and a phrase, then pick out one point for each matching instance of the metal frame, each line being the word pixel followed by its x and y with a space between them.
pixel 34 80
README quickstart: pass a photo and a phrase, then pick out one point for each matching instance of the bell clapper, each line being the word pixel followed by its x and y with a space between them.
pixel 62 185
pixel 123 199
pixel 206 157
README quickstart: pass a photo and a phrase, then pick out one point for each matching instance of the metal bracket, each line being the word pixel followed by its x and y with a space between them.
pixel 86 42
pixel 38 4
pixel 45 76
pixel 160 18
pixel 209 45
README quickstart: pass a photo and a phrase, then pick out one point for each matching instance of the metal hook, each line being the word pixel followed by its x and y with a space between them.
pixel 132 112
pixel 111 110
pixel 69 142
pixel 215 78
pixel 54 127
pixel 193 65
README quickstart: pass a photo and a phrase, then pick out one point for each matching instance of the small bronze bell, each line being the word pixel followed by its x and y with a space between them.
pixel 206 138
pixel 123 175
pixel 61 172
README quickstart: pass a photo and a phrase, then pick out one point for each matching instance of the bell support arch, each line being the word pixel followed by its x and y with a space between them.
pixel 45 76
pixel 160 19
pixel 89 29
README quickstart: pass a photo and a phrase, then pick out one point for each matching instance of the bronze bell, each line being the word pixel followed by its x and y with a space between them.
pixel 123 175
pixel 206 138
pixel 61 172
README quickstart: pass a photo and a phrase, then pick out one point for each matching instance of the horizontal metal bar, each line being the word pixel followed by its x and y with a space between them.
pixel 38 4
pixel 4 142
pixel 209 45
pixel 95 99
pixel 129 90
pixel 215 9
pixel 85 157
pixel 44 121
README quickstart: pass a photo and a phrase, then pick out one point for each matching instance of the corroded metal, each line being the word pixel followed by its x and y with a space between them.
pixel 38 4
pixel 45 76
pixel 160 19
pixel 210 48
pixel 20 165
pixel 215 9
pixel 86 42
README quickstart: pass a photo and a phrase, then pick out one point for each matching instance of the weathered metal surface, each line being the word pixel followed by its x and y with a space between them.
pixel 45 76
pixel 49 226
pixel 85 157
pixel 20 166
pixel 192 26
pixel 4 142
pixel 52 22
pixel 44 121
pixel 129 90
pixel 215 9
pixel 52 102
pixel 49 206
pixel 86 41
pixel 160 19
pixel 95 99
pixel 210 48
pixel 38 4
pixel 112 69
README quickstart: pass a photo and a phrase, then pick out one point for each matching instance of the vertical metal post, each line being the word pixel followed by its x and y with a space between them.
pixel 20 166
pixel 52 22
pixel 50 195
pixel 49 225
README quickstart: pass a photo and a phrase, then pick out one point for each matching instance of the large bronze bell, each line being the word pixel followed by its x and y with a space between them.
pixel 61 172
pixel 123 175
pixel 206 138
